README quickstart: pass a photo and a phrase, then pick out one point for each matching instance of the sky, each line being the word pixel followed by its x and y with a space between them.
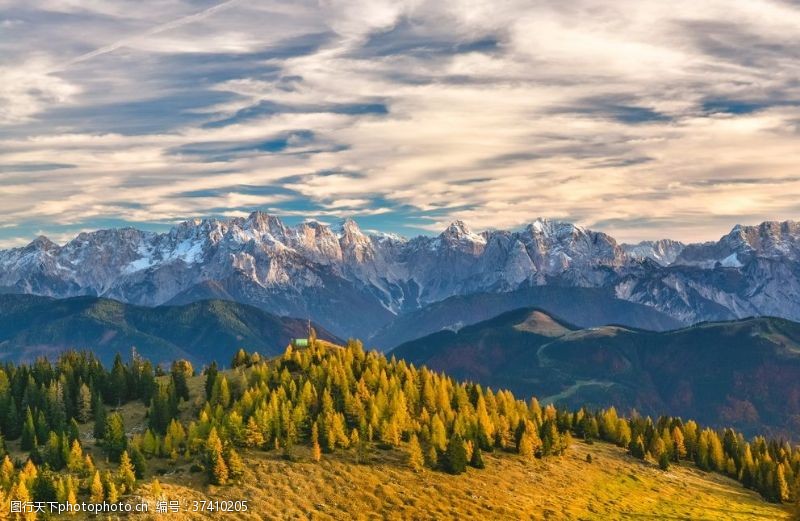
pixel 641 118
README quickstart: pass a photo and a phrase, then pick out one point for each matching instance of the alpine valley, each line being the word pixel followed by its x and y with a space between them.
pixel 371 285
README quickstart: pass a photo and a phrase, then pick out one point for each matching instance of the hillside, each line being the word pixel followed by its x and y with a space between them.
pixel 586 307
pixel 743 373
pixel 201 332
pixel 335 432
pixel 381 485
pixel 613 486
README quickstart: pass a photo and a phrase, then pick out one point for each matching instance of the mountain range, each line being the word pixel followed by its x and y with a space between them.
pixel 365 285
pixel 32 326
pixel 743 373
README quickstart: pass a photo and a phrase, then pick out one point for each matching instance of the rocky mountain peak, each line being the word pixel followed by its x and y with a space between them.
pixel 348 228
pixel 42 242
pixel 458 231
pixel 768 238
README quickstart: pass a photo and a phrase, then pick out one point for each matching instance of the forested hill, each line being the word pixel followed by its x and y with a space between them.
pixel 203 331
pixel 744 373
pixel 78 431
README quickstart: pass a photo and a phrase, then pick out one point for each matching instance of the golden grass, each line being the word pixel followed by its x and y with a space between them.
pixel 613 486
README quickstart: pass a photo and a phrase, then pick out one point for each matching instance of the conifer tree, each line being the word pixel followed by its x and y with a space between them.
pixel 253 436
pixel 28 441
pixel 114 439
pixel 99 418
pixel 456 455
pixel 415 458
pixel 96 488
pixel 781 486
pixel 118 382
pixel 221 394
pixel 6 473
pixel 72 497
pixel 21 494
pixel 74 431
pixel 526 447
pixel 84 405
pixel 211 376
pixel 75 458
pixel 180 372
pixel 42 428
pixel 219 470
pixel 679 447
pixel 636 447
pixel 663 461
pixel 13 425
pixel 53 452
pixel 240 359
pixel 125 473
pixel 112 494
pixel 156 490
pixel 477 459
pixel 316 451
pixel 234 462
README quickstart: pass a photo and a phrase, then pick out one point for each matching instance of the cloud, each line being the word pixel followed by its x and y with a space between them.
pixel 161 28
pixel 642 118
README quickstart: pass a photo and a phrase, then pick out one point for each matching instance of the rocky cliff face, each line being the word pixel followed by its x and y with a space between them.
pixel 663 252
pixel 353 283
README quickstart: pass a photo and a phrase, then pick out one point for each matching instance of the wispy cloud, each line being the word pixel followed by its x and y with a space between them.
pixel 643 118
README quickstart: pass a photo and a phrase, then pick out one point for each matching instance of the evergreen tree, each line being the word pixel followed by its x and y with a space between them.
pixel 164 407
pixel 28 441
pixel 118 383
pixel 181 371
pixel 99 418
pixel 211 376
pixel 74 431
pixel 220 394
pixel 663 461
pixel 114 440
pixel 477 459
pixel 456 455
pixel 13 425
pixel 42 427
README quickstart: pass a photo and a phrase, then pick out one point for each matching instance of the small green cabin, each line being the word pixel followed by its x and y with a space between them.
pixel 300 342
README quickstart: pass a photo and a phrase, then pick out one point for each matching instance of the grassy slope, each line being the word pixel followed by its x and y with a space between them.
pixel 614 486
